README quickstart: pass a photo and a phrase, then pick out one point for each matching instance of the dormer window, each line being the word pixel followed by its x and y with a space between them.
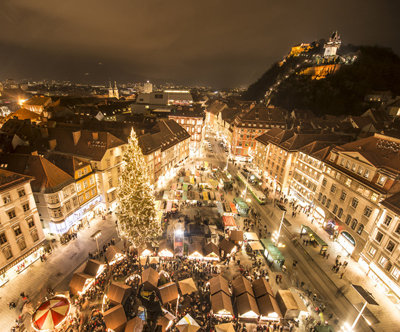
pixel 348 164
pixel 366 174
pixel 353 167
pixel 382 180
pixel 360 170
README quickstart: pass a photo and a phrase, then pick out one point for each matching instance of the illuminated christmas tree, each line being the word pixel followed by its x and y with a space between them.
pixel 136 210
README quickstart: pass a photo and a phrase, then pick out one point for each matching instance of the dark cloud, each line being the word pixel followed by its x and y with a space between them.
pixel 221 43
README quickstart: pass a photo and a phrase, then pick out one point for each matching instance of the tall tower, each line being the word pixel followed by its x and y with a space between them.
pixel 110 91
pixel 332 45
pixel 116 93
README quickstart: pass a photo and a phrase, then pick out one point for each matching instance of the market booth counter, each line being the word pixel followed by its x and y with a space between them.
pixel 314 238
pixel 272 253
pixel 219 283
pixel 242 285
pixel 115 318
pixel 118 293
pixel 221 305
pixel 247 307
pixel 113 254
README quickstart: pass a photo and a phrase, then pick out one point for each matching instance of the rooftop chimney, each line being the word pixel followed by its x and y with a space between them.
pixel 76 136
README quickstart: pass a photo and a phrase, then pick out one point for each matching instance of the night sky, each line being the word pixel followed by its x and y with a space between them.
pixel 197 42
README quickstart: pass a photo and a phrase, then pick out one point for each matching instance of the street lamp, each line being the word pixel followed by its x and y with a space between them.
pixel 369 299
pixel 96 236
pixel 283 209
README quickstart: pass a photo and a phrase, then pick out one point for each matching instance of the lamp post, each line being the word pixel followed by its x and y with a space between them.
pixel 96 236
pixel 283 209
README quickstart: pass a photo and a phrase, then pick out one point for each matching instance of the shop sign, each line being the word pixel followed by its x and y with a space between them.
pixel 392 285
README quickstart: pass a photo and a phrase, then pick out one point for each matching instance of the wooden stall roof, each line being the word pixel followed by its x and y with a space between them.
pixel 168 292
pixel 92 267
pixel 118 292
pixel 134 325
pixel 242 285
pixel 268 305
pixel 219 283
pixel 196 246
pixel 221 301
pixel 115 318
pixel 165 244
pixel 262 287
pixel 226 246
pixel 288 299
pixel 78 281
pixel 236 236
pixel 111 252
pixel 246 303
pixel 151 276
pixel 211 248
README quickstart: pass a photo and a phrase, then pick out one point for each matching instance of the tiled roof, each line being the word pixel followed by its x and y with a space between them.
pixel 48 177
pixel 262 115
pixel 164 134
pixel 37 101
pixel 392 203
pixel 216 106
pixel 267 136
pixel 87 146
pixel 69 164
pixel 23 114
pixel 10 179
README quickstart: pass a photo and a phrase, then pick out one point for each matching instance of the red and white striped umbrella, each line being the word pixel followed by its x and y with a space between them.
pixel 50 313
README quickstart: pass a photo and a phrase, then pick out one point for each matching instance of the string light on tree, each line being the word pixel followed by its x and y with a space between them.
pixel 136 210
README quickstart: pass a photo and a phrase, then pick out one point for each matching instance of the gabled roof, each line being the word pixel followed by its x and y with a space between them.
pixel 267 136
pixel 246 303
pixel 262 115
pixel 210 248
pixel 392 203
pixel 220 301
pixel 69 164
pixel 23 114
pixel 219 283
pixel 37 101
pixel 10 179
pixel 48 177
pixel 196 247
pixel 242 285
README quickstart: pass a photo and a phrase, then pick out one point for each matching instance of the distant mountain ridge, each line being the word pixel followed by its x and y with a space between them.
pixel 339 93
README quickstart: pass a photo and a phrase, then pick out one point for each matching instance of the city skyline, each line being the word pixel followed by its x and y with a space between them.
pixel 218 44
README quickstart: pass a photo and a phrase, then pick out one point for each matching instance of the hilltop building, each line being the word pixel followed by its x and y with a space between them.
pixel 332 46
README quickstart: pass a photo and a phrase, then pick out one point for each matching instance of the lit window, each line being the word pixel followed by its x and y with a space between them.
pixel 343 196
pixel 348 182
pixel 382 180
pixel 21 192
pixel 367 211
pixel 383 261
pixel 372 251
pixel 354 203
pixel 387 221
pixel 395 273
pixel 25 207
pixel 366 174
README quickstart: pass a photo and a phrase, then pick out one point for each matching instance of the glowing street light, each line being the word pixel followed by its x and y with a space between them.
pixel 283 209
pixel 96 235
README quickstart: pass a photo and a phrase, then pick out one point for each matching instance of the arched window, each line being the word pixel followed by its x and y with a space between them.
pixel 320 197
pixel 360 229
pixel 354 224
pixel 324 200
pixel 340 213
pixel 335 208
pixel 328 203
pixel 348 219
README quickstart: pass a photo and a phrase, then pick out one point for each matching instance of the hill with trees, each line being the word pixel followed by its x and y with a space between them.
pixel 375 69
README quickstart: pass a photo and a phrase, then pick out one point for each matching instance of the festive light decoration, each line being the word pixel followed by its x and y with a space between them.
pixel 136 212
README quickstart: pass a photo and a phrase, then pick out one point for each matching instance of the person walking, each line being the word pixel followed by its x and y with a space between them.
pixel 341 276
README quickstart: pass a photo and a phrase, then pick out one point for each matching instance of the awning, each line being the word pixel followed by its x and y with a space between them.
pixel 228 221
pixel 205 196
pixel 185 186
pixel 184 196
pixel 255 245
pixel 251 236
pixel 272 250
pixel 233 208
pixel 220 208
pixel 169 206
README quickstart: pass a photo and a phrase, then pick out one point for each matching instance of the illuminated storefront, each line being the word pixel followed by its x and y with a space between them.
pixel 347 242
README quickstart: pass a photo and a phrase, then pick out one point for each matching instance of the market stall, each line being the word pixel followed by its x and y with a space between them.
pixel 261 287
pixel 149 279
pixel 80 282
pixel 187 324
pixel 287 304
pixel 134 325
pixel 51 314
pixel 195 251
pixel 118 293
pixel 187 286
pixel 219 283
pixel 236 237
pixel 113 254
pixel 229 223
pixel 115 318
pixel 221 305
pixel 168 292
pixel 247 307
pixel 211 252
pixel 242 285
pixel 227 247
pixel 250 236
pixel 269 308
pixel 94 267
pixel 166 249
